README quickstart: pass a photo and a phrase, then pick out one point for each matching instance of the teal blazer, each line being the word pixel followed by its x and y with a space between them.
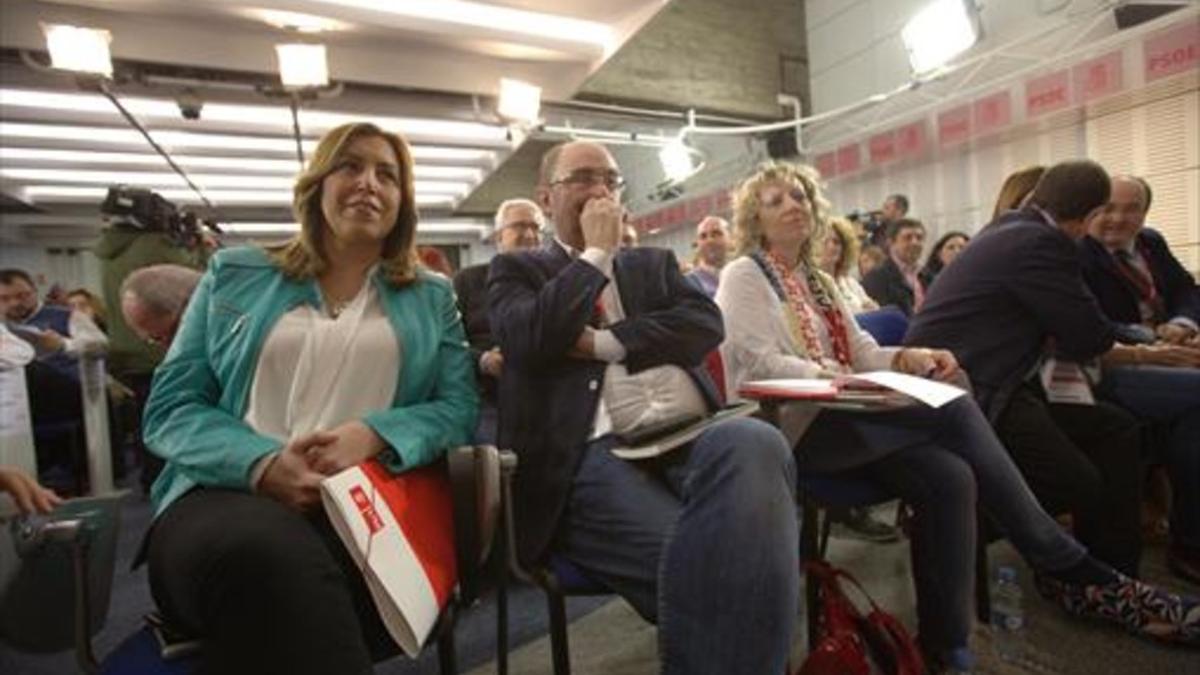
pixel 193 418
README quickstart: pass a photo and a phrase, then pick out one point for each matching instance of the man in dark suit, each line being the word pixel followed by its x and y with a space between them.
pixel 1141 286
pixel 518 226
pixel 1014 297
pixel 897 281
pixel 1133 274
pixel 598 342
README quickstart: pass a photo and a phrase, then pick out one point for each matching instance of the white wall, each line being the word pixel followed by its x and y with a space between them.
pixel 69 267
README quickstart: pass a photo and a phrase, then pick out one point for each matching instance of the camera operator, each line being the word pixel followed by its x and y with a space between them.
pixel 144 230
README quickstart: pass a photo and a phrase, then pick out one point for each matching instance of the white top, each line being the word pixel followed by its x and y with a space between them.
pixel 316 372
pixel 629 402
pixel 758 344
pixel 854 295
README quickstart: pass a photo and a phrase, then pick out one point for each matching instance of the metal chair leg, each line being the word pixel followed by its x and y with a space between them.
pixel 809 550
pixel 447 658
pixel 558 632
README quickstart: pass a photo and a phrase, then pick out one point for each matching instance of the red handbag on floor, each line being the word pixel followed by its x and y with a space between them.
pixel 849 641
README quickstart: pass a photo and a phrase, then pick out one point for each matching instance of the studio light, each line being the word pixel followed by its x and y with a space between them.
pixel 79 49
pixel 519 101
pixel 939 32
pixel 302 65
pixel 676 159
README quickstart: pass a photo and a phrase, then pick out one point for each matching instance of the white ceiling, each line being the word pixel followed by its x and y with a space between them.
pixel 430 77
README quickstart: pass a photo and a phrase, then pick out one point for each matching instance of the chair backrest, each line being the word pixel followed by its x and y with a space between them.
pixel 475 485
pixel 38 604
pixel 716 370
pixel 887 325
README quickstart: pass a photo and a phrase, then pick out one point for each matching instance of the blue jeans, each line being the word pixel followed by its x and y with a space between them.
pixel 703 541
pixel 949 459
pixel 1169 397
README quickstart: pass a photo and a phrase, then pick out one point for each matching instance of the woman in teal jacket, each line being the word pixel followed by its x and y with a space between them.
pixel 290 365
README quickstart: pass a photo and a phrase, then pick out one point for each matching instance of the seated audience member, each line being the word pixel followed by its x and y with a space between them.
pixel 600 341
pixel 518 226
pixel 90 305
pixel 290 365
pixel 1015 189
pixel 784 319
pixel 1139 284
pixel 712 248
pixel 837 257
pixel 59 335
pixel 153 299
pixel 896 282
pixel 944 252
pixel 869 258
pixel 1014 298
pixel 26 493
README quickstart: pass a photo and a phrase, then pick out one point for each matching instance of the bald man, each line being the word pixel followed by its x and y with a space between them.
pixel 601 342
pixel 1142 287
pixel 712 248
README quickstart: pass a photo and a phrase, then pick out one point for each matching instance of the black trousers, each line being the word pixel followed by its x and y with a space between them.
pixel 1083 460
pixel 269 590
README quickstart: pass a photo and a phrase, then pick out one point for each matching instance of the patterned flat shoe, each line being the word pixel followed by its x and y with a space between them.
pixel 1139 607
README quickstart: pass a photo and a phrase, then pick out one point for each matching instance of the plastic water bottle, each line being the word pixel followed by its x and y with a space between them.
pixel 1008 616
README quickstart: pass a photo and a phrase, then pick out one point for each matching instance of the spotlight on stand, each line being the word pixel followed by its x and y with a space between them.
pixel 520 102
pixel 939 32
pixel 79 49
pixel 302 65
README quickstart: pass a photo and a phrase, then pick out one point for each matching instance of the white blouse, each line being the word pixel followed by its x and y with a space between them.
pixel 854 295
pixel 758 343
pixel 316 372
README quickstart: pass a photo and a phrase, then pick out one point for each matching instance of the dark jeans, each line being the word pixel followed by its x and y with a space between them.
pixel 705 542
pixel 1083 460
pixel 942 461
pixel 1168 398
pixel 268 590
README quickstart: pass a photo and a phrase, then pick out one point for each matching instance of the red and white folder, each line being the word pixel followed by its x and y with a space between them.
pixel 400 531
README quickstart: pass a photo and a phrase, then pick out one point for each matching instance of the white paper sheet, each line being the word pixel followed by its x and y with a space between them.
pixel 932 393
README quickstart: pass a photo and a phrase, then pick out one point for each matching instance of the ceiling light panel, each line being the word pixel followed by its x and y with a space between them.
pixel 81 194
pixel 179 140
pixel 285 167
pixel 538 25
pixel 279 117
pixel 204 181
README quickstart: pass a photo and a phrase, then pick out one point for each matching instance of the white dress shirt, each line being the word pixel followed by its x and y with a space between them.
pixel 630 402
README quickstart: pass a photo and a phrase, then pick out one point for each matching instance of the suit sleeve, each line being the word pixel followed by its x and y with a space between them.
pixel 1182 295
pixel 1049 284
pixel 682 333
pixel 878 286
pixel 536 322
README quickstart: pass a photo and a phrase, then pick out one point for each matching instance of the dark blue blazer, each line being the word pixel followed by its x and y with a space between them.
pixel 539 302
pixel 1117 295
pixel 887 286
pixel 1013 294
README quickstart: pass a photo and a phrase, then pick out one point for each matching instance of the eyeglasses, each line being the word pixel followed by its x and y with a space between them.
pixel 774 198
pixel 589 177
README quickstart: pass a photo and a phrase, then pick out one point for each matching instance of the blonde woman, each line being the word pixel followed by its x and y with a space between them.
pixel 784 318
pixel 839 255
pixel 290 365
